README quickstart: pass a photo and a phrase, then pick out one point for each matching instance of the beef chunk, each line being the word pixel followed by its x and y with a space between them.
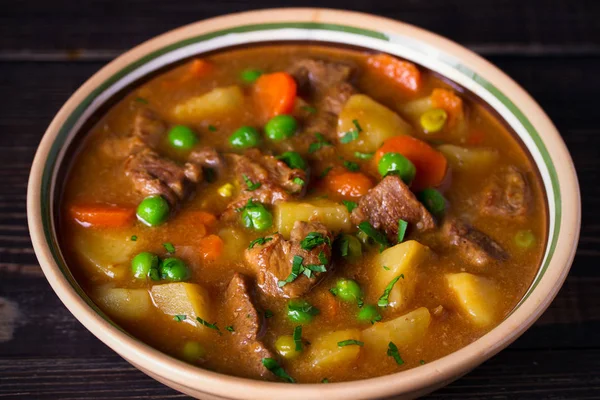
pixel 506 196
pixel 317 76
pixel 388 202
pixel 148 127
pixel 336 96
pixel 206 157
pixel 153 174
pixel 277 180
pixel 273 260
pixel 474 246
pixel 248 326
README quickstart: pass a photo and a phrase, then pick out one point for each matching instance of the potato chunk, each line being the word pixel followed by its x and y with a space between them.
pixel 378 123
pixel 401 260
pixel 188 299
pixel 325 352
pixel 123 303
pixel 105 254
pixel 469 159
pixel 477 297
pixel 333 215
pixel 217 102
pixel 402 330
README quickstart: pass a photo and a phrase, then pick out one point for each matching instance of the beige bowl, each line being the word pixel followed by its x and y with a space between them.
pixel 455 62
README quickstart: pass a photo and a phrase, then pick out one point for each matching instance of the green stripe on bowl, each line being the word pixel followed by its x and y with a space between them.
pixel 72 119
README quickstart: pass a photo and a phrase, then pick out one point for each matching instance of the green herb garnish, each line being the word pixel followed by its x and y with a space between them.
pixel 422 362
pixel 179 318
pixel 356 124
pixel 297 269
pixel 230 328
pixel 141 100
pixel 384 300
pixel 393 352
pixel 268 313
pixel 314 239
pixel 350 342
pixel 350 205
pixel 386 268
pixel 260 241
pixel 324 380
pixel 273 366
pixel 374 234
pixel 212 128
pixel 402 224
pixel 319 144
pixel 298 337
pixel 351 166
pixel 298 181
pixel 325 172
pixel 251 185
pixel 349 137
pixel 309 109
pixel 169 247
pixel 133 238
pixel 209 325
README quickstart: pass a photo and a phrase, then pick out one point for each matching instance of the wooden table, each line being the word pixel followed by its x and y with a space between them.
pixel 49 48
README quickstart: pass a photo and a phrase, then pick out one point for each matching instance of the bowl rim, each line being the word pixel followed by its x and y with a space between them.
pixel 413 380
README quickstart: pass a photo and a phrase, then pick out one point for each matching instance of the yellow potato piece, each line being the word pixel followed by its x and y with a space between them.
pixel 402 330
pixel 217 102
pixel 378 123
pixel 325 352
pixel 188 299
pixel 469 159
pixel 333 215
pixel 477 297
pixel 401 260
pixel 129 304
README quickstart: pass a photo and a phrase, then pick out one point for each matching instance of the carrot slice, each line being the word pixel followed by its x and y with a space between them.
pixel 275 94
pixel 200 68
pixel 203 217
pixel 102 216
pixel 348 184
pixel 431 165
pixel 449 102
pixel 211 247
pixel 404 73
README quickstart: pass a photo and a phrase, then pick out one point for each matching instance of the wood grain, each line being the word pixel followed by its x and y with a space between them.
pixel 552 48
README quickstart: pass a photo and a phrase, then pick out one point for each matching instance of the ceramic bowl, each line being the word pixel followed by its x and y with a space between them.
pixel 449 59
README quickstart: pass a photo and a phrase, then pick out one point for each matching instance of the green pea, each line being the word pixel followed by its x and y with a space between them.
pixel 173 269
pixel 245 137
pixel 153 210
pixel 250 75
pixel 143 263
pixel 369 313
pixel 397 164
pixel 182 137
pixel 347 290
pixel 281 127
pixel 525 239
pixel 301 311
pixel 433 201
pixel 433 120
pixel 293 160
pixel 256 216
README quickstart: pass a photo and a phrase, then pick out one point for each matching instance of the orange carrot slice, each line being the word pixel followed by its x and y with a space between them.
pixel 404 73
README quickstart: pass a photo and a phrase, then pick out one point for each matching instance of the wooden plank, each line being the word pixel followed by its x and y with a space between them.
pixel 513 374
pixel 37 29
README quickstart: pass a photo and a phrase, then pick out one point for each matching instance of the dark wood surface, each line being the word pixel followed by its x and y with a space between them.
pixel 48 48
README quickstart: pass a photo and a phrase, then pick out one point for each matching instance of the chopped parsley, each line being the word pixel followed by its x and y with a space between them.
pixel 325 172
pixel 393 352
pixel 260 241
pixel 374 234
pixel 386 268
pixel 169 247
pixel 302 306
pixel 297 269
pixel 343 245
pixel 324 380
pixel 349 137
pixel 309 109
pixel 314 239
pixel 251 185
pixel 322 256
pixel 268 313
pixel 350 342
pixel 133 238
pixel 273 366
pixel 209 325
pixel 363 156
pixel 402 224
pixel 298 337
pixel 350 205
pixel 141 100
pixel 230 328
pixel 422 362
pixel 299 181
pixel 212 128
pixel 319 144
pixel 179 318
pixel 357 125
pixel 384 300
pixel 351 166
